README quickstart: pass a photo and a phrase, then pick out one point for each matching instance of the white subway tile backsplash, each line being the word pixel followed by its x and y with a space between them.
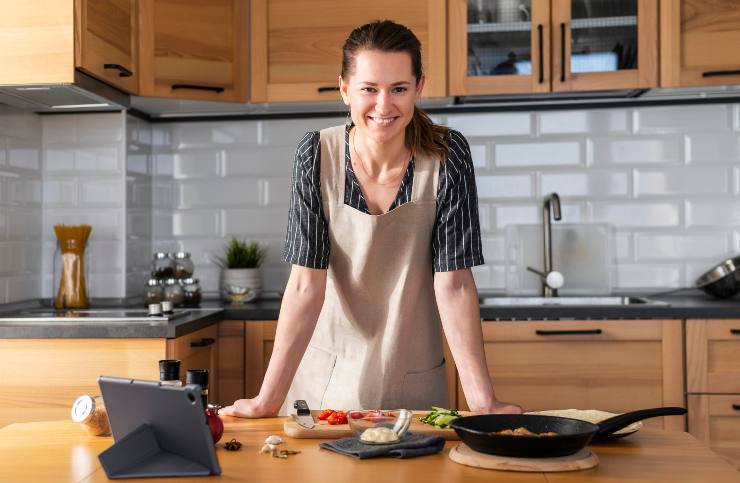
pixel 25 191
pixel 714 147
pixel 196 223
pixel 711 117
pixel 505 186
pixel 649 246
pixel 203 163
pixel 623 246
pixel 164 164
pixel 716 212
pixel 290 132
pixel 259 160
pixel 220 192
pixel 23 156
pixel 24 287
pixel 479 154
pixel 216 133
pixel 638 214
pixel 531 153
pixel 101 192
pixel 592 184
pixel 101 128
pixel 275 191
pixel 491 124
pixel 639 150
pixel 706 180
pixel 23 223
pixel 584 122
pixel 493 249
pixel 516 215
pixel 256 221
pixel 629 276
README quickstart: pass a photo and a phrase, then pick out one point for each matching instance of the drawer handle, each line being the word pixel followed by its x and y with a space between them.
pixel 217 89
pixel 569 332
pixel 720 73
pixel 541 53
pixel 735 331
pixel 204 342
pixel 562 52
pixel 122 71
pixel 328 88
pixel 736 407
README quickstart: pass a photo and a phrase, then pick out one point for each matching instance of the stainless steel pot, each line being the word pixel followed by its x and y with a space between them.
pixel 722 280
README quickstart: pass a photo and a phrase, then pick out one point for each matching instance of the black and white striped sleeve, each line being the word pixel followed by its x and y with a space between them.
pixel 307 238
pixel 456 240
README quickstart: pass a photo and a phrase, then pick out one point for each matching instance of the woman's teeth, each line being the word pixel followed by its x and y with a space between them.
pixel 383 121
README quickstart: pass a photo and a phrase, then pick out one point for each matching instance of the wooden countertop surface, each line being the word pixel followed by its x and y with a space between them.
pixel 62 451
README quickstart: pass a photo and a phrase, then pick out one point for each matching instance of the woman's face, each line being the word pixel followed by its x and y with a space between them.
pixel 381 93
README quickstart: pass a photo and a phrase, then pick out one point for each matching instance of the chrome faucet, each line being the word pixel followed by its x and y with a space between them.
pixel 551 280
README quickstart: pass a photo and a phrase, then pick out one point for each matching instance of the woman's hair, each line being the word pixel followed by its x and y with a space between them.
pixel 422 135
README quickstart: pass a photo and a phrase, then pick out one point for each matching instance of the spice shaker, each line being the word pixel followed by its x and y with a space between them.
pixel 183 265
pixel 90 412
pixel 154 292
pixel 169 372
pixel 191 291
pixel 173 292
pixel 163 266
pixel 200 377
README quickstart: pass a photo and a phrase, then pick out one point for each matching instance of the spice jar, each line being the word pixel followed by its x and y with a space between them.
pixel 169 372
pixel 173 292
pixel 191 292
pixel 90 412
pixel 200 377
pixel 154 292
pixel 183 265
pixel 163 266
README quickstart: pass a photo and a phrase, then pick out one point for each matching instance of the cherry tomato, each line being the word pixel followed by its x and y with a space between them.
pixel 325 414
pixel 339 417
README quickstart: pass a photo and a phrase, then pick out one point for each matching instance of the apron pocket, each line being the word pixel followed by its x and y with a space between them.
pixel 312 377
pixel 421 390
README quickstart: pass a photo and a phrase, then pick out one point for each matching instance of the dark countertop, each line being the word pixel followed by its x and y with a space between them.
pixel 694 305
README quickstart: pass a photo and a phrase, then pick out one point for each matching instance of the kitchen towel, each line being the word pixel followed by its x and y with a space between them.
pixel 411 446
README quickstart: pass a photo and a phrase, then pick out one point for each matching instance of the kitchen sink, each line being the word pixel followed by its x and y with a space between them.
pixel 582 301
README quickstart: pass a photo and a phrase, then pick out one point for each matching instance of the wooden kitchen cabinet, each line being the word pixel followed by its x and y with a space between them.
pixel 230 361
pixel 616 366
pixel 296 46
pixel 699 42
pixel 259 336
pixel 107 38
pixel 198 350
pixel 528 46
pixel 713 384
pixel 190 49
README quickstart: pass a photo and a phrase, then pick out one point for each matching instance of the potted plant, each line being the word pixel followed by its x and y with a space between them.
pixel 241 279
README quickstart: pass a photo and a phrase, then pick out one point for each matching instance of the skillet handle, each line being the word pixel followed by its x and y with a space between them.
pixel 609 426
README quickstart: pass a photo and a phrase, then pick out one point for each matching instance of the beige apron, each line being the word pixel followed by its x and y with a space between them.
pixel 378 340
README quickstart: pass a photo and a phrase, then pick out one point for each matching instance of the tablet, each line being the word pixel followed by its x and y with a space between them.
pixel 159 430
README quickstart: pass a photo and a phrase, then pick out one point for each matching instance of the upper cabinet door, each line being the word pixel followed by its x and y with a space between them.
pixel 700 42
pixel 193 49
pixel 604 44
pixel 106 47
pixel 296 46
pixel 499 46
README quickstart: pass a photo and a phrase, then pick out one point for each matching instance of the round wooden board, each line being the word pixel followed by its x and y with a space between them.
pixel 582 460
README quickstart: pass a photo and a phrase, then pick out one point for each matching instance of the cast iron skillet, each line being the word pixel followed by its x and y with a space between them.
pixel 478 432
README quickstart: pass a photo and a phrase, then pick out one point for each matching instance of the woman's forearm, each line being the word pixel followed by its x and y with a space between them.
pixel 457 300
pixel 299 311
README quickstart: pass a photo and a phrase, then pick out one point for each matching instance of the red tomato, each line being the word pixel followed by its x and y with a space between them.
pixel 339 417
pixel 325 414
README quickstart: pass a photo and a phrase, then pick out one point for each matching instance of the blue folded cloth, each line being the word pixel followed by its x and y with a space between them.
pixel 411 446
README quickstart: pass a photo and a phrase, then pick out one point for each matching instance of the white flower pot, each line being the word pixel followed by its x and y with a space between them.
pixel 241 285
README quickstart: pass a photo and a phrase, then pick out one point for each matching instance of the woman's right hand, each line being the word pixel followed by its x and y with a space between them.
pixel 248 408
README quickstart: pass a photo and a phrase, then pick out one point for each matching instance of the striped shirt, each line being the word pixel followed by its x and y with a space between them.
pixel 456 239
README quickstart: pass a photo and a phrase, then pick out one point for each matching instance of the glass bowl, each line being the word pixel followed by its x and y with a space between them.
pixel 398 420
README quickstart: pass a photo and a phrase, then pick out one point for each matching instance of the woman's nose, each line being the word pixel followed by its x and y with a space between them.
pixel 383 102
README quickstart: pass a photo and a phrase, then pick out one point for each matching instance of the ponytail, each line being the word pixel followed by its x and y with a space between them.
pixel 426 138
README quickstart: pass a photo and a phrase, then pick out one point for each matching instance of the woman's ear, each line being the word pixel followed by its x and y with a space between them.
pixel 420 86
pixel 343 90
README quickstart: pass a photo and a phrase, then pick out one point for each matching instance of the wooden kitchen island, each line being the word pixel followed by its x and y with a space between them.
pixel 61 451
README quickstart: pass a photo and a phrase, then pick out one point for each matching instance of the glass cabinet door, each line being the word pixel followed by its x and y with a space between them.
pixel 499 46
pixel 604 44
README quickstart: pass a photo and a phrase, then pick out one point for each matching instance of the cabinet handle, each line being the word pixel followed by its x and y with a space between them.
pixel 198 88
pixel 122 71
pixel 542 53
pixel 719 73
pixel 736 407
pixel 328 88
pixel 562 52
pixel 735 331
pixel 204 342
pixel 568 332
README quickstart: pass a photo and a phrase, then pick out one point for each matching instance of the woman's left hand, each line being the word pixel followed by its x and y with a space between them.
pixel 499 407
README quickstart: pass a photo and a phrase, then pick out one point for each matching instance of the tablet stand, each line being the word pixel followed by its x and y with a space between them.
pixel 139 455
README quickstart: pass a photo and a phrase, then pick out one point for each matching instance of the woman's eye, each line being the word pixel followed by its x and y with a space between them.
pixel 368 89
pixel 400 89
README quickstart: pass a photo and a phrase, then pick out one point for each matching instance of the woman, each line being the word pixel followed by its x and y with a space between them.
pixel 382 233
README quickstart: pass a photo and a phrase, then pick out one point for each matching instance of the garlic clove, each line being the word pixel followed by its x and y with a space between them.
pixel 273 439
pixel 268 448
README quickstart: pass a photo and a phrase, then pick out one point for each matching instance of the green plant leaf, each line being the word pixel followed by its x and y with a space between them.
pixel 243 254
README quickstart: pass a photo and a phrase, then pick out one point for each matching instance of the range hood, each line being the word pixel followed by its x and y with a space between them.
pixel 85 94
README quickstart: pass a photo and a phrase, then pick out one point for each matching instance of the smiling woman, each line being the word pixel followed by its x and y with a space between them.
pixel 382 233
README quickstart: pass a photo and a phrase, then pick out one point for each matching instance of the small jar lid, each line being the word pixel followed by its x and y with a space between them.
pixel 153 282
pixel 161 255
pixel 83 408
pixel 181 255
pixel 170 281
pixel 190 281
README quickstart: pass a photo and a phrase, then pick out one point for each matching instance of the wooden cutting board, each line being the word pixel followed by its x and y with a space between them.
pixel 324 430
pixel 582 460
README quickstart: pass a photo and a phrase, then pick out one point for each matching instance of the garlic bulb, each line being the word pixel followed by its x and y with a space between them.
pixel 273 439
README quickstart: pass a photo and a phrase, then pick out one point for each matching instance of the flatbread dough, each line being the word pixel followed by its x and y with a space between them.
pixel 591 415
